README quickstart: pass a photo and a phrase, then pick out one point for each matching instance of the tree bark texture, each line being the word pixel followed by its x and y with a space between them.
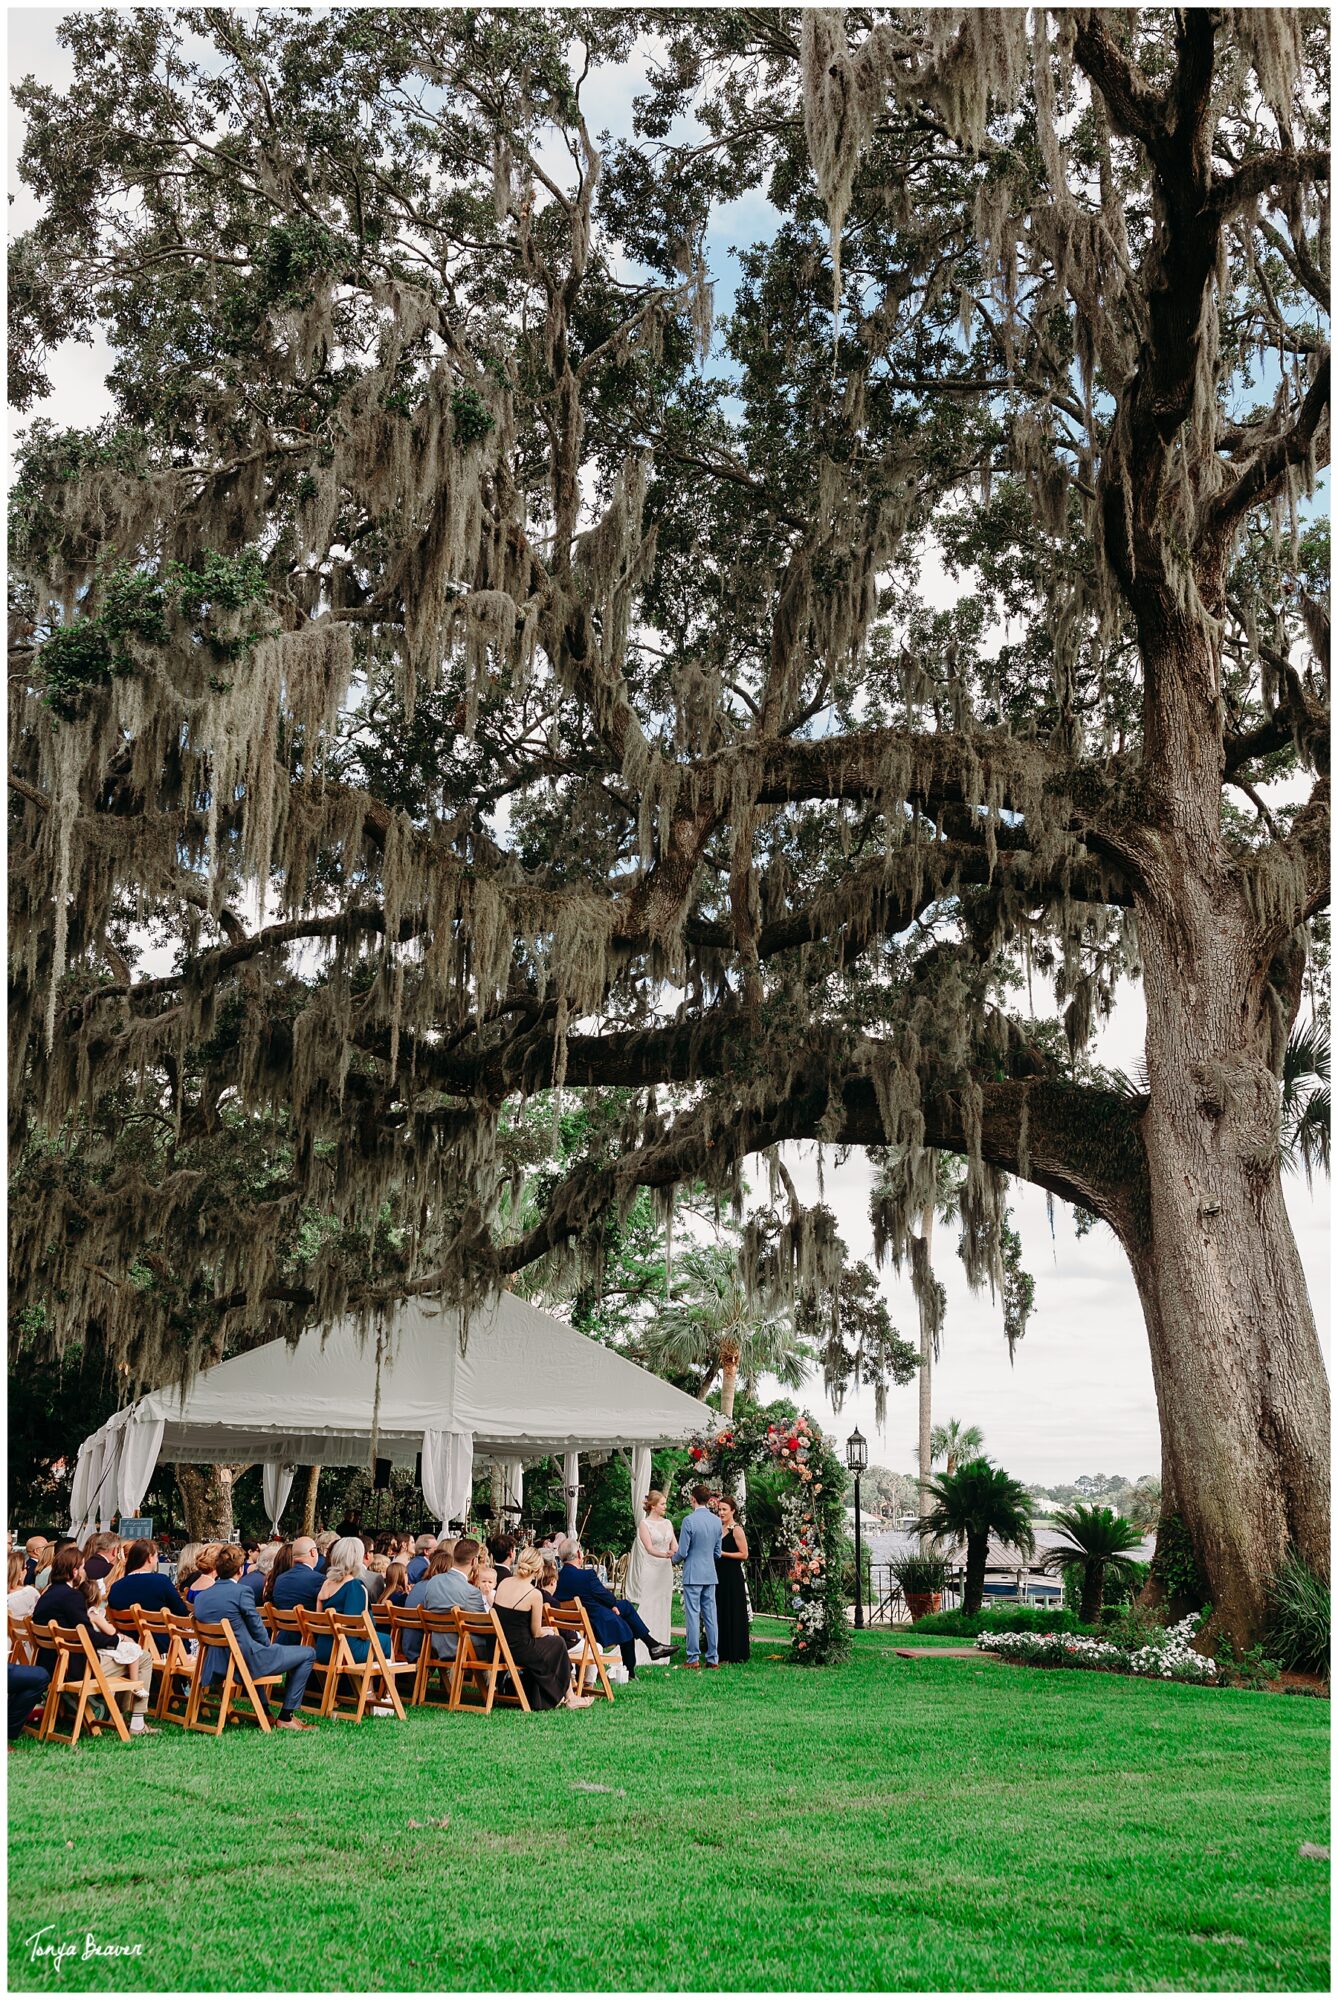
pixel 206 1493
pixel 1241 1389
pixel 309 1500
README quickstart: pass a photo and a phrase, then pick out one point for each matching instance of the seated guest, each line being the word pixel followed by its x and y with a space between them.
pixel 548 1577
pixel 283 1562
pixel 484 1579
pixel 615 1621
pixel 450 1589
pixel 254 1578
pixel 100 1559
pixel 22 1596
pixel 502 1548
pixel 42 1574
pixel 343 1590
pixel 65 1602
pixel 374 1576
pixel 424 1548
pixel 27 1688
pixel 144 1586
pixel 301 1582
pixel 541 1653
pixel 439 1564
pixel 227 1601
pixel 325 1541
pixel 206 1567
pixel 32 1550
pixel 396 1591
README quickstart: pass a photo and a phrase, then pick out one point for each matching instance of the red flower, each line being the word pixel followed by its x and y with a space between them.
pixel 792 1443
pixel 696 1453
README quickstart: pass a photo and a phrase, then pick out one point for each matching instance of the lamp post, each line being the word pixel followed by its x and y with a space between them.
pixel 857 1460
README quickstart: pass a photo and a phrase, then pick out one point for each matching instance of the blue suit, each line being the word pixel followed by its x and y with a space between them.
pixel 615 1621
pixel 699 1541
pixel 232 1602
pixel 297 1586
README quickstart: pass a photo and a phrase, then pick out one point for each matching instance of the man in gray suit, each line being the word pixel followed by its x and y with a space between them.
pixel 698 1546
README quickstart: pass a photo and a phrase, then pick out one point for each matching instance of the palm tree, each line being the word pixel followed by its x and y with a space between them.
pixel 970 1505
pixel 1306 1101
pixel 710 1324
pixel 955 1442
pixel 1102 1541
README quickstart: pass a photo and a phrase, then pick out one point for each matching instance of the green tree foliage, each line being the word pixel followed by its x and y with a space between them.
pixel 970 1505
pixel 1099 1543
pixel 562 706
pixel 952 1442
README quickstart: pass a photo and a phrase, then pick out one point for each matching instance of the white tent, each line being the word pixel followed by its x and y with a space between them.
pixel 525 1386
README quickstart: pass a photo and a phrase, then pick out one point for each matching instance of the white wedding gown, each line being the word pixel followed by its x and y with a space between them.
pixel 655 1592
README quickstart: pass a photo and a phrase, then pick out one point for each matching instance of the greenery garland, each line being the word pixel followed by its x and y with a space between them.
pixel 812 1516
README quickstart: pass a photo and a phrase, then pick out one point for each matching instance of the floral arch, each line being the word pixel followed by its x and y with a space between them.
pixel 812 1516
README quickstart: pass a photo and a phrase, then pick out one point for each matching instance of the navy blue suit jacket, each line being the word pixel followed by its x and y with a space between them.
pixel 298 1585
pixel 233 1602
pixel 605 1622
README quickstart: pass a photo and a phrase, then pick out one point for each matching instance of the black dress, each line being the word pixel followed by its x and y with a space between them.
pixel 544 1666
pixel 731 1604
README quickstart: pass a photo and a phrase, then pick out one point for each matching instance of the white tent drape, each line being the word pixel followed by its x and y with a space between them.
pixel 509 1484
pixel 277 1484
pixel 448 1473
pixel 140 1445
pixel 640 1488
pixel 81 1491
pixel 571 1482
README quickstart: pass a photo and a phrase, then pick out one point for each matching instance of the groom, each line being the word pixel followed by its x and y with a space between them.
pixel 698 1547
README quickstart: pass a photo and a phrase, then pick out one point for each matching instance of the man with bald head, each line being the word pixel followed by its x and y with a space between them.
pixel 301 1584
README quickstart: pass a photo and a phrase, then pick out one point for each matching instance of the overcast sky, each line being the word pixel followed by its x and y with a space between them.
pixel 1079 1396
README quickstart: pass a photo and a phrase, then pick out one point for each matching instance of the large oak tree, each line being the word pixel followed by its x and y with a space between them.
pixel 478 686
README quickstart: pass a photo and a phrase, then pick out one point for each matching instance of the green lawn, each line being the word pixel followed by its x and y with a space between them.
pixel 934 1824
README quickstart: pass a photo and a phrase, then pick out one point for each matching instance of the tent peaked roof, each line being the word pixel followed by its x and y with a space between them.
pixel 526 1384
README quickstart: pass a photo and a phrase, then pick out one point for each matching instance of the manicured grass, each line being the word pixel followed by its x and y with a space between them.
pixel 929 1824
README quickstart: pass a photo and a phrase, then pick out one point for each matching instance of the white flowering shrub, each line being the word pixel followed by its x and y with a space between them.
pixel 1166 1656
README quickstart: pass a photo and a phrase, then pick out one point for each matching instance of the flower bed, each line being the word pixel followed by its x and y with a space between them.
pixel 1169 1656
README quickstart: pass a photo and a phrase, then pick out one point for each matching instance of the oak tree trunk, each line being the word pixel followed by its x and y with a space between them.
pixel 206 1494
pixel 309 1501
pixel 1241 1388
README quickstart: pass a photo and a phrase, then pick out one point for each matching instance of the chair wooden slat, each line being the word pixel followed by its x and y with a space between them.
pixel 574 1620
pixel 80 1676
pixel 434 1664
pixel 483 1655
pixel 237 1681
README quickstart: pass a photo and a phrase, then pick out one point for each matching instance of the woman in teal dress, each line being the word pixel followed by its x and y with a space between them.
pixel 343 1590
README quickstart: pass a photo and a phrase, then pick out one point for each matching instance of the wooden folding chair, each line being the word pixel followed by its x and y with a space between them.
pixel 362 1681
pixel 482 1655
pixel 573 1621
pixel 403 1620
pixel 80 1676
pixel 167 1636
pixel 300 1627
pixel 434 1666
pixel 22 1651
pixel 237 1681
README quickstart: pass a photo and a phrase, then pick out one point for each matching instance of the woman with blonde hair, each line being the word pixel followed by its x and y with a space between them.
pixel 658 1547
pixel 343 1590
pixel 539 1652
pixel 22 1596
pixel 204 1578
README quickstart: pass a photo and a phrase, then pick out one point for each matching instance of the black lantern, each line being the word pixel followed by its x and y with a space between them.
pixel 857 1461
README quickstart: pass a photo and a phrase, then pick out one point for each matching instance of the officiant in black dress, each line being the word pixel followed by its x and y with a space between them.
pixel 731 1595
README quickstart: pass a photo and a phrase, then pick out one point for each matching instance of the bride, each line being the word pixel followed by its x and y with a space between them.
pixel 659 1546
